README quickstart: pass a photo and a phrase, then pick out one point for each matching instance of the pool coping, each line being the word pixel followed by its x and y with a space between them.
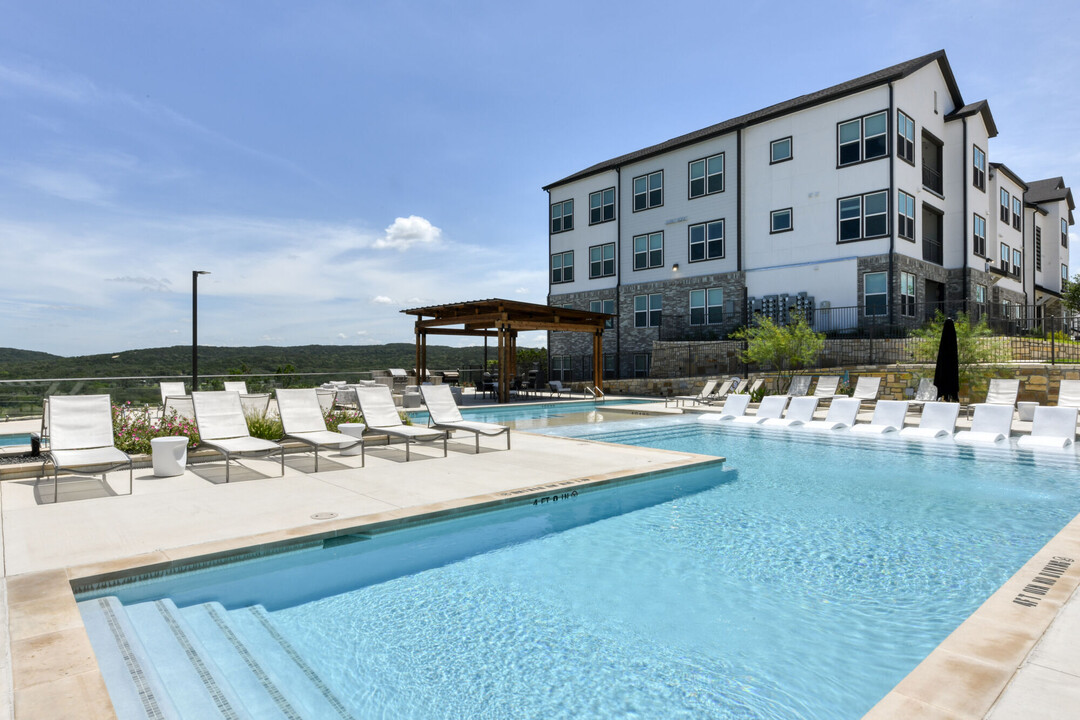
pixel 54 671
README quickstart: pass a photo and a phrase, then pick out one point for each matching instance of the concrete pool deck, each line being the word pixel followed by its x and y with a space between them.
pixel 1008 660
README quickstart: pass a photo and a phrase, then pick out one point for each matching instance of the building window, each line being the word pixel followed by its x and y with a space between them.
pixel 862 139
pixel 601 206
pixel 864 216
pixel 562 267
pixel 707 176
pixel 707 306
pixel 780 220
pixel 706 241
pixel 562 216
pixel 1064 233
pixel 1004 209
pixel 649 191
pixel 1018 208
pixel 602 260
pixel 1064 274
pixel 642 364
pixel 649 251
pixel 907 294
pixel 875 298
pixel 609 366
pixel 1018 263
pixel 905 215
pixel 933 164
pixel 647 310
pixel 978 168
pixel 1005 252
pixel 980 294
pixel 779 150
pixel 933 249
pixel 604 306
pixel 978 235
pixel 1038 249
pixel 561 368
pixel 905 137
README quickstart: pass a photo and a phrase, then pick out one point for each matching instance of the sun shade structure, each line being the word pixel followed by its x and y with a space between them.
pixel 504 319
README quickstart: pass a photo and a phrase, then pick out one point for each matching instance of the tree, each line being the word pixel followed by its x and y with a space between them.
pixel 1070 293
pixel 785 348
pixel 976 355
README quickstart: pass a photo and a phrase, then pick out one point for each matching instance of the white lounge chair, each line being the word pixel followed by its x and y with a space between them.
pixel 1069 394
pixel 254 404
pixel 326 398
pixel 734 406
pixel 443 414
pixel 1053 427
pixel 705 394
pixel 826 386
pixel 799 411
pixel 302 419
pixel 888 417
pixel 174 399
pixel 753 387
pixel 171 389
pixel 223 427
pixel 557 388
pixel 81 436
pixel 381 416
pixel 842 412
pixel 238 386
pixel 799 385
pixel 772 406
pixel 1002 392
pixel 867 388
pixel 938 420
pixel 991 423
pixel 926 392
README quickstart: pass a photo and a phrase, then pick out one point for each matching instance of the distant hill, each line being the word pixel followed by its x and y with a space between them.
pixel 176 360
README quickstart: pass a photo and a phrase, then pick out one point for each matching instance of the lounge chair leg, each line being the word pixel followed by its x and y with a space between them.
pixel 507 438
pixel 446 435
pixel 316 457
pixel 55 497
pixel 363 459
pixel 408 441
pixel 477 443
pixel 283 461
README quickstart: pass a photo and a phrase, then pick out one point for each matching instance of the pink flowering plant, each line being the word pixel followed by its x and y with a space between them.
pixel 134 428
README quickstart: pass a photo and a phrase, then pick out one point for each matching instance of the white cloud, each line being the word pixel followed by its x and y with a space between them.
pixel 361 333
pixel 145 283
pixel 382 300
pixel 406 232
pixel 521 291
pixel 341 336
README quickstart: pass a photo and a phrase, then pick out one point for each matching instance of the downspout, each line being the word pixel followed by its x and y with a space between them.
pixel 618 272
pixel 891 298
pixel 1028 259
pixel 964 155
pixel 739 224
pixel 548 265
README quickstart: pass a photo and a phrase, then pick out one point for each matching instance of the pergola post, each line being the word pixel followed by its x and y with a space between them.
pixel 504 392
pixel 419 353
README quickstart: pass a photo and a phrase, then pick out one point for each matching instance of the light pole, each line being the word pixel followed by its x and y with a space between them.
pixel 195 327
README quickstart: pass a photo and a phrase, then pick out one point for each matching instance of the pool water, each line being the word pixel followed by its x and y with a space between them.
pixel 14 439
pixel 803 580
pixel 530 416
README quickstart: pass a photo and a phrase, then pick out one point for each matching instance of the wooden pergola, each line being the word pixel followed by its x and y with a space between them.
pixel 504 319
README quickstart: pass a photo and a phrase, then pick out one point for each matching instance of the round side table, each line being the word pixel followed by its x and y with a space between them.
pixel 355 430
pixel 169 455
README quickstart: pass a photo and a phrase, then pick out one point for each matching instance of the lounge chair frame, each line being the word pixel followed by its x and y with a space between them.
pixel 223 427
pixel 381 416
pixel 302 420
pixel 81 435
pixel 443 414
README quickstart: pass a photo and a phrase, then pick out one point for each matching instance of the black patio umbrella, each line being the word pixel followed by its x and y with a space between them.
pixel 947 372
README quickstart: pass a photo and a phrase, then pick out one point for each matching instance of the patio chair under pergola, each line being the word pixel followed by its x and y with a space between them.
pixel 504 319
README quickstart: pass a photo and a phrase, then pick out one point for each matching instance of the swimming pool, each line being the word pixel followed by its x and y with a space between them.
pixel 14 439
pixel 537 415
pixel 802 581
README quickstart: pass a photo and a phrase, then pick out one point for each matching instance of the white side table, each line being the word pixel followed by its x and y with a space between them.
pixel 355 430
pixel 1026 410
pixel 169 455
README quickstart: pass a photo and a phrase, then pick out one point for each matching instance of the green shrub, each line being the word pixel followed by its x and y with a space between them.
pixel 265 426
pixel 133 429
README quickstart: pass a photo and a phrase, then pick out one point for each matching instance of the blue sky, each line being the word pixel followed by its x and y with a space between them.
pixel 332 162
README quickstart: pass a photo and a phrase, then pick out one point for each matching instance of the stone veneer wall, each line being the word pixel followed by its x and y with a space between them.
pixel 1038 382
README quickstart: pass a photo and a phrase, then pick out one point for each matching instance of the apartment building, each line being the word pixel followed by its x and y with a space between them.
pixel 876 195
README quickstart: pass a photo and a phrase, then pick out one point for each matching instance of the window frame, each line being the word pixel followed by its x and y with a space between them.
pixel 1017 212
pixel 978 240
pixel 863 139
pixel 706 176
pixel 705 241
pixel 604 305
pixel 1003 205
pixel 562 267
pixel 978 172
pixel 1064 233
pixel 1017 262
pixel 884 294
pixel 980 287
pixel 647 177
pixel 646 363
pixel 1064 273
pixel 902 218
pixel 908 300
pixel 790 150
pixel 561 204
pixel 706 307
pixel 603 260
pixel 902 140
pixel 862 218
pixel 1004 255
pixel 772 221
pixel 651 316
pixel 603 205
pixel 648 251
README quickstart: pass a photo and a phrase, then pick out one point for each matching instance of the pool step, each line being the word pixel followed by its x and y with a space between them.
pixel 135 687
pixel 197 686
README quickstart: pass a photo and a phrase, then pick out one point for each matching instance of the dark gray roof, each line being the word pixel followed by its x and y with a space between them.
pixel 1050 190
pixel 1005 169
pixel 835 92
pixel 981 107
